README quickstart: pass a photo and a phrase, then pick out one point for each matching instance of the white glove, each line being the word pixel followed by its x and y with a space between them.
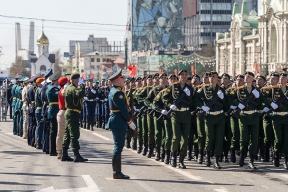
pixel 173 107
pixel 274 105
pixel 233 107
pixel 220 94
pixel 187 91
pixel 80 81
pixel 256 93
pixel 205 108
pixel 164 112
pixel 86 98
pixel 58 86
pixel 265 109
pixel 241 106
pixel 132 125
pixel 66 85
pixel 93 91
pixel 97 98
pixel 153 107
pixel 105 99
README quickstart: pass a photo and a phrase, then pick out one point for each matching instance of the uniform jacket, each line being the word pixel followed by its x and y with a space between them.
pixel 52 97
pixel 272 94
pixel 74 97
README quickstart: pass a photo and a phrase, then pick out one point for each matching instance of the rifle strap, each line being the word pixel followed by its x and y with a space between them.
pixel 173 92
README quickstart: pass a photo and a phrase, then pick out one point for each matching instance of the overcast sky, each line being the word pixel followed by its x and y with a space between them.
pixel 59 34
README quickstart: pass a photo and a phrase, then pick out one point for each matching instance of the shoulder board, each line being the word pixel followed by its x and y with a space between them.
pixel 206 85
pixel 175 83
pixel 240 87
pixel 266 87
pixel 275 86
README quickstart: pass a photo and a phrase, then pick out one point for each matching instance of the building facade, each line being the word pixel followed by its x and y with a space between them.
pixel 254 43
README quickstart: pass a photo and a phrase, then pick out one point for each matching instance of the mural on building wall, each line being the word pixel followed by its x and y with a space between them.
pixel 156 24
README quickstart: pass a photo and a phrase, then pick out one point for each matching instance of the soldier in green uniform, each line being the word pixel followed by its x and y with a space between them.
pixel 118 122
pixel 179 120
pixel 133 133
pixel 215 117
pixel 129 132
pixel 157 124
pixel 271 94
pixel 73 102
pixel 248 118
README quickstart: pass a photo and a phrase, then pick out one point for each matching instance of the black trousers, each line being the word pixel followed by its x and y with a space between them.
pixel 52 135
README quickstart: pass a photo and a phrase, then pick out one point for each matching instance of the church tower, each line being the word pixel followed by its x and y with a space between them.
pixel 43 45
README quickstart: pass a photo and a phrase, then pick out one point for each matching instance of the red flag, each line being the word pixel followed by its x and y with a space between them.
pixel 256 68
pixel 132 69
pixel 83 76
pixel 192 69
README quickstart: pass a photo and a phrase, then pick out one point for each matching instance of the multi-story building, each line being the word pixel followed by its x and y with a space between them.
pixel 203 18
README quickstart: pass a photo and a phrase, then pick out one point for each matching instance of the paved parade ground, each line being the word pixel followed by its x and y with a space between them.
pixel 24 168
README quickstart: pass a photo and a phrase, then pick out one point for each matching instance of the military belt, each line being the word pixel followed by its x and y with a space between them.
pixel 39 107
pixel 114 111
pixel 260 111
pixel 183 109
pixel 53 103
pixel 14 97
pixel 249 112
pixel 280 113
pixel 32 102
pixel 215 112
pixel 75 110
pixel 91 100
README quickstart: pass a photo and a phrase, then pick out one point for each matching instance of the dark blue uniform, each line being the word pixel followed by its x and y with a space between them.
pixel 45 138
pixel 31 114
pixel 39 118
pixel 90 103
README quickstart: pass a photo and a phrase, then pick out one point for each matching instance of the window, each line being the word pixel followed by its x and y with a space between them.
pixel 205 23
pixel 104 59
pixel 92 67
pixel 92 60
pixel 42 68
pixel 98 59
pixel 205 11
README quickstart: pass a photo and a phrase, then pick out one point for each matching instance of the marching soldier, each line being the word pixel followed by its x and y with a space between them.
pixel 215 117
pixel 73 102
pixel 179 120
pixel 129 132
pixel 118 121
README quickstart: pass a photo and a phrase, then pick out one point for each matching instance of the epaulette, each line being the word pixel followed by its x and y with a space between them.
pixel 266 87
pixel 118 89
pixel 175 83
pixel 206 85
pixel 240 87
pixel 275 86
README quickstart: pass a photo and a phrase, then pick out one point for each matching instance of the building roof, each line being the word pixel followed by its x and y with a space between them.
pixel 42 39
pixel 119 60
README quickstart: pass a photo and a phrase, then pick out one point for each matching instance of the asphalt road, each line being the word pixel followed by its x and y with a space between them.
pixel 24 168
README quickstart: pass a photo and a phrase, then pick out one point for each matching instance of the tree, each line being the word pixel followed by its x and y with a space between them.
pixel 58 63
pixel 208 50
pixel 19 67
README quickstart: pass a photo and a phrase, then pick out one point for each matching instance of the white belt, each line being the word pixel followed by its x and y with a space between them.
pixel 280 113
pixel 215 112
pixel 249 112
pixel 183 109
pixel 260 111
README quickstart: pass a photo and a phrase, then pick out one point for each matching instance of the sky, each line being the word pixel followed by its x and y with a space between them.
pixel 94 11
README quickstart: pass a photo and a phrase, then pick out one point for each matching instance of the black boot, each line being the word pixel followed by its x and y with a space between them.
pixel 266 155
pixel 276 160
pixel 251 162
pixel 78 157
pixel 88 126
pixel 167 157
pixel 174 159
pixel 140 146
pixel 38 145
pixel 151 150
pixel 81 124
pixel 84 125
pixel 226 155
pixel 128 140
pixel 241 159
pixel 116 165
pixel 134 144
pixel 91 127
pixel 200 156
pixel 157 156
pixel 285 163
pixel 220 158
pixel 65 156
pixel 162 155
pixel 189 156
pixel 144 152
pixel 216 164
pixel 208 160
pixel 233 156
pixel 181 162
pixel 196 153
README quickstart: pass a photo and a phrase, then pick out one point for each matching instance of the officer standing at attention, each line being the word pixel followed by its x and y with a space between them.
pixel 90 102
pixel 73 102
pixel 118 121
pixel 38 114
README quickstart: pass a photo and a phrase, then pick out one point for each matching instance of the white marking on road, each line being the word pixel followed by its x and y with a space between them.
pixel 220 190
pixel 101 136
pixel 142 184
pixel 89 182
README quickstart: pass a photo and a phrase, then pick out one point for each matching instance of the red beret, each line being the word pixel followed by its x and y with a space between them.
pixel 62 80
pixel 39 80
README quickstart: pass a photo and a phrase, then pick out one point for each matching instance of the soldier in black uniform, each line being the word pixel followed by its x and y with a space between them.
pixel 90 102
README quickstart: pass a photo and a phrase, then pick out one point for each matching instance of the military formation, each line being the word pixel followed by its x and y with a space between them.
pixel 171 118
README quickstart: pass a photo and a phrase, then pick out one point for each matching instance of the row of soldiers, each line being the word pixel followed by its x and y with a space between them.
pixel 176 114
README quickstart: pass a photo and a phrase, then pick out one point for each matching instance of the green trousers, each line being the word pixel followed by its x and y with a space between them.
pixel 168 134
pixel 201 133
pixel 72 132
pixel 249 132
pixel 151 130
pixel 280 126
pixel 268 132
pixel 139 129
pixel 159 132
pixel 144 128
pixel 192 130
pixel 235 141
pixel 261 145
pixel 180 127
pixel 214 129
pixel 227 134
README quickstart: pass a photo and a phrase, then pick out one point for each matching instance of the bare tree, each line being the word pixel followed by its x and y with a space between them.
pixel 58 62
pixel 208 50
pixel 18 67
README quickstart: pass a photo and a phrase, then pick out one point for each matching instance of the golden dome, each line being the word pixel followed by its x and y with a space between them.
pixel 42 39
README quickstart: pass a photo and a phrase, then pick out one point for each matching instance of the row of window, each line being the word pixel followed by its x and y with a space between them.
pixel 99 59
pixel 216 12
pixel 205 34
pixel 216 1
pixel 215 22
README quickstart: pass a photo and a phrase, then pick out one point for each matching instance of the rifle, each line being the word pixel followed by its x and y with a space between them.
pixel 214 101
pixel 131 103
pixel 177 103
pixel 248 100
pixel 141 111
pixel 282 99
